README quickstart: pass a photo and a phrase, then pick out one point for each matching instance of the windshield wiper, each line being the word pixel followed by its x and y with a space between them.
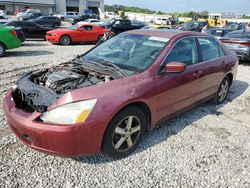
pixel 107 63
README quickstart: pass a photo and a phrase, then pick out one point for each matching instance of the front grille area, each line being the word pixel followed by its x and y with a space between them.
pixel 22 102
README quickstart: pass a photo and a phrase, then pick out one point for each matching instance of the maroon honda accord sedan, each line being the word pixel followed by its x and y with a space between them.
pixel 106 99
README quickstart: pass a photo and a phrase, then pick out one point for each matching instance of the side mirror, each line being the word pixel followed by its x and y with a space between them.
pixel 80 29
pixel 175 67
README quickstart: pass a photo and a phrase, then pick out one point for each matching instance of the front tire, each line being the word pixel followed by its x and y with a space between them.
pixel 222 91
pixel 2 50
pixel 124 132
pixel 65 40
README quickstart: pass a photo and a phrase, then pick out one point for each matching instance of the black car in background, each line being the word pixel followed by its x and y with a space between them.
pixel 30 29
pixel 238 41
pixel 235 26
pixel 219 32
pixel 48 21
pixel 193 26
pixel 20 34
pixel 73 21
pixel 118 26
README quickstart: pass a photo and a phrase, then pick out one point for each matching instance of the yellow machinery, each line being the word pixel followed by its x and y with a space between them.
pixel 219 22
pixel 211 22
pixel 121 13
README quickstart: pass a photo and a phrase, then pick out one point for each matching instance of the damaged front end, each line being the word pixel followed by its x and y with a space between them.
pixel 36 91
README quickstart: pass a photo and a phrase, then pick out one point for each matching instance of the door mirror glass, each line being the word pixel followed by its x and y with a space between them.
pixel 175 67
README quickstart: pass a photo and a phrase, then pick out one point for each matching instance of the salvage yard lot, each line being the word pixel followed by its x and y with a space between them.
pixel 208 146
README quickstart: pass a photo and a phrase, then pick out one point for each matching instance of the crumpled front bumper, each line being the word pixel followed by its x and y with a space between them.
pixel 67 141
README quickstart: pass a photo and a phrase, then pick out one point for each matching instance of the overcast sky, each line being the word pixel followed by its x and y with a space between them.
pixel 216 6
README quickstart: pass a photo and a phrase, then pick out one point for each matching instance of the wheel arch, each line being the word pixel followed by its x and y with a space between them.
pixel 139 104
pixel 62 35
pixel 231 77
pixel 4 45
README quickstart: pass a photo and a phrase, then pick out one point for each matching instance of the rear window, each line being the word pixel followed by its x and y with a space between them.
pixel 209 49
pixel 52 18
pixel 238 35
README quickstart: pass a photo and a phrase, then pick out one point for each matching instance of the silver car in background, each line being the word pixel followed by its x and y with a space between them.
pixel 67 15
pixel 238 41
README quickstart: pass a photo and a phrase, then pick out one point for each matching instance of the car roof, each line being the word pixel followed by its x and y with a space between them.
pixel 164 33
pixel 220 29
pixel 240 31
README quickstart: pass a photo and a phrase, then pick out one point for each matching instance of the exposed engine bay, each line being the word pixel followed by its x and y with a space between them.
pixel 37 90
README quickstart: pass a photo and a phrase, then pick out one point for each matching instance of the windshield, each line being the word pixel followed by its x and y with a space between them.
pixel 73 27
pixel 232 26
pixel 190 25
pixel 109 22
pixel 128 51
pixel 40 18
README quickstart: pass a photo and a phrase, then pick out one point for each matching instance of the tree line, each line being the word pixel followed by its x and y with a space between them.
pixel 191 14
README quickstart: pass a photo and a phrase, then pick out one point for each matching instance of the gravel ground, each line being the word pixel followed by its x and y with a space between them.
pixel 208 146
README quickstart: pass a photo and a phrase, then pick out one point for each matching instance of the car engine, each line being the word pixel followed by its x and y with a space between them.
pixel 66 77
pixel 36 91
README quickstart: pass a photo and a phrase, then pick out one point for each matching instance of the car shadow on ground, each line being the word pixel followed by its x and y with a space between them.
pixel 245 63
pixel 28 53
pixel 35 44
pixel 174 126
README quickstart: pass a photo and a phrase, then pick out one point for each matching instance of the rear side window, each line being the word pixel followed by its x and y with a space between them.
pixel 51 18
pixel 238 35
pixel 184 51
pixel 209 49
pixel 234 35
pixel 87 28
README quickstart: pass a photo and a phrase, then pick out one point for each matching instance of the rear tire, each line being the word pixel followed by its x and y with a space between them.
pixel 124 132
pixel 222 91
pixel 2 50
pixel 65 40
pixel 56 25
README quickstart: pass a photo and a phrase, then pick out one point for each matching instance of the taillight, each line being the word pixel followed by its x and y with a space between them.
pixel 242 43
pixel 245 43
pixel 13 32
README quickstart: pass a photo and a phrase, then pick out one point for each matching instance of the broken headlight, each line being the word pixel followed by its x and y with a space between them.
pixel 71 113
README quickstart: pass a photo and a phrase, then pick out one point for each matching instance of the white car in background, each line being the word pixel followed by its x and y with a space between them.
pixel 161 21
pixel 90 21
pixel 67 15
pixel 111 15
pixel 3 15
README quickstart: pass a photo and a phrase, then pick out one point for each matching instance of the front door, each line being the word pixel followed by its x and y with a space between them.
pixel 87 34
pixel 177 91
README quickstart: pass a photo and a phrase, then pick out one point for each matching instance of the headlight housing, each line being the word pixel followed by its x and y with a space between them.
pixel 71 113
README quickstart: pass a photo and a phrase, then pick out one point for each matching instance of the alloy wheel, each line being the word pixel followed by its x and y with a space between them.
pixel 65 40
pixel 126 133
pixel 1 50
pixel 223 90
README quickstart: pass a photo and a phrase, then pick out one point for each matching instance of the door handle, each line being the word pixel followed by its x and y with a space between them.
pixel 197 74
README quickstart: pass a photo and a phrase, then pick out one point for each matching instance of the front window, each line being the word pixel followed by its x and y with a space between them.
pixel 184 51
pixel 73 27
pixel 129 51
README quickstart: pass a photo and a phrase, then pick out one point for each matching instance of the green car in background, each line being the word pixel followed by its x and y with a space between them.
pixel 8 39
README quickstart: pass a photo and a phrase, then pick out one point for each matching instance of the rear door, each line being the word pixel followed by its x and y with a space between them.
pixel 27 29
pixel 43 21
pixel 50 21
pixel 212 63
